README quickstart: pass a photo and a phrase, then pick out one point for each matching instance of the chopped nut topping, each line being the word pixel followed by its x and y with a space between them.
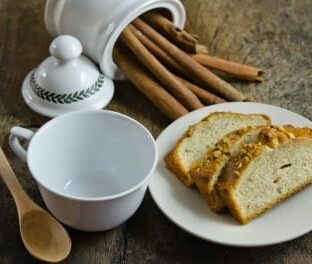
pixel 217 153
pixel 249 155
pixel 226 140
pixel 291 135
pixel 274 143
pixel 232 136
pixel 226 151
pixel 245 159
pixel 280 128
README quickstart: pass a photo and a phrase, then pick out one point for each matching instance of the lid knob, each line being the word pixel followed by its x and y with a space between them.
pixel 65 48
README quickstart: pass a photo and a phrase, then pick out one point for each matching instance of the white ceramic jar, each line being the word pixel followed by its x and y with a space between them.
pixel 98 23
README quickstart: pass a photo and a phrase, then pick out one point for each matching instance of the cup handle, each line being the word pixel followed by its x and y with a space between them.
pixel 16 134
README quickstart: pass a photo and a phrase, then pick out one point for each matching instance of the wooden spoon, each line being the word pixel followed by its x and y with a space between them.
pixel 43 236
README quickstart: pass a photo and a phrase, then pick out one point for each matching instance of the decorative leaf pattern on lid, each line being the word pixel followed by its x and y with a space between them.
pixel 66 98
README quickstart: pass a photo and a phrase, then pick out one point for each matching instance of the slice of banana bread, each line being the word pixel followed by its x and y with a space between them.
pixel 192 148
pixel 265 173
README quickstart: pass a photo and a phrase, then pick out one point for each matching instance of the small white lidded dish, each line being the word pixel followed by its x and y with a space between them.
pixel 66 81
pixel 92 167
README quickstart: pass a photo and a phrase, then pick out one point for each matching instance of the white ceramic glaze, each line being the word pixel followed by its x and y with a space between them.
pixel 92 167
pixel 186 208
pixel 98 23
pixel 66 81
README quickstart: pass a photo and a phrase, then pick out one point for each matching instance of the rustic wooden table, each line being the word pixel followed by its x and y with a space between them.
pixel 275 35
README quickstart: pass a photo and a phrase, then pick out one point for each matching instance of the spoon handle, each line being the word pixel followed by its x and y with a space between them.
pixel 21 199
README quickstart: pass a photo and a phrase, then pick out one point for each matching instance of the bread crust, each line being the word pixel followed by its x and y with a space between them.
pixel 172 159
pixel 174 164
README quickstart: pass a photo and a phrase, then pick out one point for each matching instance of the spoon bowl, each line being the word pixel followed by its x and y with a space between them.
pixel 43 237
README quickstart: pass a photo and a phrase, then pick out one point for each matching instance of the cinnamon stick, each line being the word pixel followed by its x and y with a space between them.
pixel 240 71
pixel 202 94
pixel 195 70
pixel 146 83
pixel 205 96
pixel 182 93
pixel 237 70
pixel 181 38
pixel 158 52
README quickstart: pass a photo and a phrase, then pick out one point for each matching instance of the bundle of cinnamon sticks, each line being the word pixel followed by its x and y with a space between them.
pixel 173 69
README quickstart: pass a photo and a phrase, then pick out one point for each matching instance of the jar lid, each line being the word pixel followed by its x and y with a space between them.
pixel 66 81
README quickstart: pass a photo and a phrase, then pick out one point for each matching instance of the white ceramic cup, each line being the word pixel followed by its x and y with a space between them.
pixel 98 23
pixel 92 167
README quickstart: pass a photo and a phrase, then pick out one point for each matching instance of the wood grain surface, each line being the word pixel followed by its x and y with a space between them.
pixel 274 35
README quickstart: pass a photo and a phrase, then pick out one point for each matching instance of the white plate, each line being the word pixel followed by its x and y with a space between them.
pixel 184 206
